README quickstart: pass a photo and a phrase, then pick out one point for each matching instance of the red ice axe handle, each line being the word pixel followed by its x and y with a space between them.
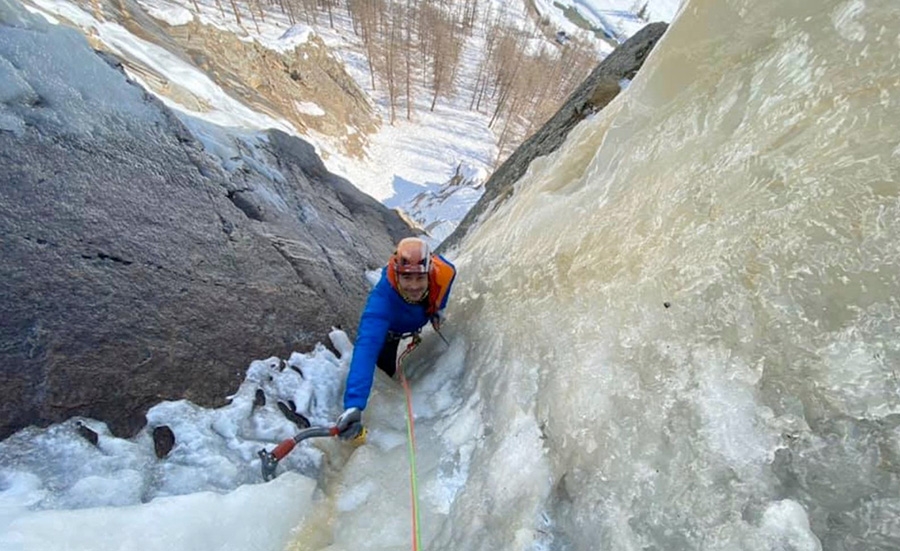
pixel 269 460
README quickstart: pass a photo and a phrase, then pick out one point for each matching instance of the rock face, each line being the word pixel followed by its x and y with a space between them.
pixel 601 86
pixel 136 266
pixel 306 86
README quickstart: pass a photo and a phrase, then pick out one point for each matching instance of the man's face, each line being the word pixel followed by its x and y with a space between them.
pixel 413 286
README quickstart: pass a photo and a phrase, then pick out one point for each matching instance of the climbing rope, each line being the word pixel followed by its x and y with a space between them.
pixel 411 442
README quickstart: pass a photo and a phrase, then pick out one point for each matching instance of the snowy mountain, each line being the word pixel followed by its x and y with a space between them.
pixel 351 138
pixel 609 22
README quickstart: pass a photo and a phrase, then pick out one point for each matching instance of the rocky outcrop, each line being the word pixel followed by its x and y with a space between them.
pixel 601 86
pixel 137 267
pixel 305 84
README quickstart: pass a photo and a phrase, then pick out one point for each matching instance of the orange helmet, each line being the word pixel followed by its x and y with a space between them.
pixel 413 256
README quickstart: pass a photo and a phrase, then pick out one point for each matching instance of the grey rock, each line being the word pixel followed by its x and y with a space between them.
pixel 259 398
pixel 290 413
pixel 87 433
pixel 163 441
pixel 136 266
pixel 598 89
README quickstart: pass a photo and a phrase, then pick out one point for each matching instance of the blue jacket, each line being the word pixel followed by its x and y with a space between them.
pixel 385 311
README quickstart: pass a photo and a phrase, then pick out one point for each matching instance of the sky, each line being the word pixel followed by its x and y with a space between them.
pixel 59 491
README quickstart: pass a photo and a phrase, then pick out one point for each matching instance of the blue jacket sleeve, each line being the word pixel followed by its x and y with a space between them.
pixel 373 329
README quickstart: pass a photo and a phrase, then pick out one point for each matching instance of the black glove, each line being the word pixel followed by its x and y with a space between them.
pixel 349 424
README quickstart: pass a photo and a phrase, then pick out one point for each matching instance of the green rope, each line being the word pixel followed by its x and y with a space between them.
pixel 411 445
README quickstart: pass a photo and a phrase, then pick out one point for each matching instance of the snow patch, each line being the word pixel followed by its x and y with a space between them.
pixel 173 14
pixel 293 37
pixel 309 108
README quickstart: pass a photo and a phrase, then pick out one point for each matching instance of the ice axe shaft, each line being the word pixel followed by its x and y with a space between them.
pixel 441 335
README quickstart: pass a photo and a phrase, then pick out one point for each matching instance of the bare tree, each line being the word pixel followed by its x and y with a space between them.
pixel 506 63
pixel 261 9
pixel 470 15
pixel 409 23
pixel 364 14
pixel 252 16
pixel 353 14
pixel 329 6
pixel 310 10
pixel 426 38
pixel 492 27
pixel 286 9
pixel 221 9
pixel 519 89
pixel 394 23
pixel 444 50
pixel 237 13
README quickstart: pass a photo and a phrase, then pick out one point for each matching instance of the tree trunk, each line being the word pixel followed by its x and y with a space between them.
pixel 237 14
pixel 330 14
pixel 253 17
pixel 393 21
pixel 407 53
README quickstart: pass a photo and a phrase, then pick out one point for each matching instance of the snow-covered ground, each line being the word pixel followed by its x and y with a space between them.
pixel 616 19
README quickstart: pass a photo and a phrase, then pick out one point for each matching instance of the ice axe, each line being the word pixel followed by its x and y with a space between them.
pixel 269 460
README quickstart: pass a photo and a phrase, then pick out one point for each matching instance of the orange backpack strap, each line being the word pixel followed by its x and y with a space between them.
pixel 392 274
pixel 439 280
